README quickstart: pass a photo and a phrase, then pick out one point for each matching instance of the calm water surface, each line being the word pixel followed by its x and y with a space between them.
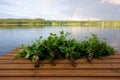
pixel 11 38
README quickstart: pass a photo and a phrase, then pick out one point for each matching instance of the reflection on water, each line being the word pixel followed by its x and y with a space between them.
pixel 12 37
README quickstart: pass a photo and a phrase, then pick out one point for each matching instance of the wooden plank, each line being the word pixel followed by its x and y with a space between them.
pixel 80 61
pixel 62 73
pixel 10 54
pixel 10 58
pixel 59 74
pixel 16 66
pixel 113 57
pixel 6 61
pixel 59 78
pixel 13 51
pixel 10 73
pixel 25 74
pixel 6 58
pixel 60 66
pixel 77 74
pixel 109 58
pixel 105 58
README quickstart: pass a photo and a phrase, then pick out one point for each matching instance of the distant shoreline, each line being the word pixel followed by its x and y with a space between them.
pixel 42 22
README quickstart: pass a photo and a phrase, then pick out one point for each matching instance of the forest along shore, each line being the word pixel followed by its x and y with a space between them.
pixel 43 22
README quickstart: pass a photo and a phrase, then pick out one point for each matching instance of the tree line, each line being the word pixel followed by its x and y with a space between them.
pixel 42 22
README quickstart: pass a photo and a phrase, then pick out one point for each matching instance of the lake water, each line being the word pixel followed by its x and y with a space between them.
pixel 12 37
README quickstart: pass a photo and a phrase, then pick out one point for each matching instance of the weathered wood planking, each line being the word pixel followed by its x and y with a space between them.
pixel 23 69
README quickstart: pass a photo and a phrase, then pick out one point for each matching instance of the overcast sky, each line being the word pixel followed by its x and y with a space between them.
pixel 61 9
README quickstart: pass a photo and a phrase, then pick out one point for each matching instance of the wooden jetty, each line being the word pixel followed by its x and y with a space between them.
pixel 23 69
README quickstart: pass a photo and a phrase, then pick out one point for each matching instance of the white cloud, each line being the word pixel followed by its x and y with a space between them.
pixel 114 2
pixel 61 9
pixel 78 15
pixel 19 3
pixel 18 15
pixel 12 2
pixel 85 18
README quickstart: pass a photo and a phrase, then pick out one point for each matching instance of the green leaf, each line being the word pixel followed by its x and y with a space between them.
pixel 67 55
pixel 16 56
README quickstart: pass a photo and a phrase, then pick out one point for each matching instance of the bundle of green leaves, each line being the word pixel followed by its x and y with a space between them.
pixel 59 47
